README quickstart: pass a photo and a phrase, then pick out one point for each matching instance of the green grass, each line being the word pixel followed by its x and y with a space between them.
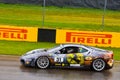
pixel 19 48
pixel 65 18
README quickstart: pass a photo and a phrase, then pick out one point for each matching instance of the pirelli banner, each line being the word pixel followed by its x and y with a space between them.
pixel 105 39
pixel 18 33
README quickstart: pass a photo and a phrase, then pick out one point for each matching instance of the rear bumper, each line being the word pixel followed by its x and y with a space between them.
pixel 110 63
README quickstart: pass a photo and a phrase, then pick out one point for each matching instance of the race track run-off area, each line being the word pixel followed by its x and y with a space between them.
pixel 11 69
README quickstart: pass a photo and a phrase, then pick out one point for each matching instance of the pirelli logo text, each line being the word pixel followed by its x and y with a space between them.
pixel 13 33
pixel 88 38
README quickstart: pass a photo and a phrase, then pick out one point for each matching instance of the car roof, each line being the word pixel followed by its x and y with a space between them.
pixel 73 44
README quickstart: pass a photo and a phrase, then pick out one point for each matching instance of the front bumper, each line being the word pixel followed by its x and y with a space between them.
pixel 27 62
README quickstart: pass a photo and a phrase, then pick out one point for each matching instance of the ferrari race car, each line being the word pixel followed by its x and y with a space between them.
pixel 69 55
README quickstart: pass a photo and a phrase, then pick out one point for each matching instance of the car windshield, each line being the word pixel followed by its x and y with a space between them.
pixel 54 49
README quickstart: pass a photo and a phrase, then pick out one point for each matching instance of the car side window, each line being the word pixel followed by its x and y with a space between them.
pixel 68 50
pixel 82 50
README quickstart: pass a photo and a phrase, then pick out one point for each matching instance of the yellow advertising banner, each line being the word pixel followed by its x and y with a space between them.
pixel 18 33
pixel 103 39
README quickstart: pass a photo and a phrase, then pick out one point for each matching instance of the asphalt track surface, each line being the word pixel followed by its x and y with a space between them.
pixel 11 69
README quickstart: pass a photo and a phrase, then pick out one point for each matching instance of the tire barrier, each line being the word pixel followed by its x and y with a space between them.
pixel 46 35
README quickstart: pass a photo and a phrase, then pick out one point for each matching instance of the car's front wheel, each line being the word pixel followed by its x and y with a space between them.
pixel 98 65
pixel 43 62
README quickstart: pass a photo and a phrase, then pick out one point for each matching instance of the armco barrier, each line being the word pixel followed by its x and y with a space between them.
pixel 18 33
pixel 104 39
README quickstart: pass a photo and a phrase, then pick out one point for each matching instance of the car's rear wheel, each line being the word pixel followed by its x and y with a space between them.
pixel 43 62
pixel 98 65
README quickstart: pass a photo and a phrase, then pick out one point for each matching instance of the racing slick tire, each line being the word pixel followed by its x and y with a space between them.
pixel 98 65
pixel 43 62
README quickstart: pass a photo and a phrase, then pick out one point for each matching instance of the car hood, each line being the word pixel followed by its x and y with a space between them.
pixel 36 51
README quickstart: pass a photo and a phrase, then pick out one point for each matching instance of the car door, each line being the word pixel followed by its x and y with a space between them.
pixel 61 55
pixel 59 58
pixel 71 56
pixel 76 58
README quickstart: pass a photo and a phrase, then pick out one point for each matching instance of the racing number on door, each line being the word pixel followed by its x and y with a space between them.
pixel 58 59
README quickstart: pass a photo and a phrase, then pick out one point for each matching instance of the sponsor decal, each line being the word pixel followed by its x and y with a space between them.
pixel 88 58
pixel 57 64
pixel 75 65
pixel 76 58
pixel 63 64
pixel 13 33
pixel 88 38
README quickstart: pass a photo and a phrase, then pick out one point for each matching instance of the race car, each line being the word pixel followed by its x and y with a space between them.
pixel 69 55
